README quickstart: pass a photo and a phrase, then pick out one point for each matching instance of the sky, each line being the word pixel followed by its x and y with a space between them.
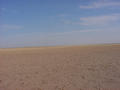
pixel 29 23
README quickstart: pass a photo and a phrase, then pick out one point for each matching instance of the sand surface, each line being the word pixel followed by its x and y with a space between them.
pixel 95 67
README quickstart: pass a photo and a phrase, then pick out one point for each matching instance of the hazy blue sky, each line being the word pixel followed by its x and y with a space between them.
pixel 58 22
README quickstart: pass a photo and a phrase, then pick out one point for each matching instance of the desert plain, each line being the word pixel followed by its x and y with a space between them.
pixel 89 67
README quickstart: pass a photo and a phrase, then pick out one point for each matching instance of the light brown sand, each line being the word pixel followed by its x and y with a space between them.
pixel 94 67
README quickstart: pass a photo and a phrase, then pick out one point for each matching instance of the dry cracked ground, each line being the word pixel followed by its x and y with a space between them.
pixel 92 67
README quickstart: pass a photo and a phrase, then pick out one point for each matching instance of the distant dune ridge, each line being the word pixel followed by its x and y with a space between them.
pixel 90 67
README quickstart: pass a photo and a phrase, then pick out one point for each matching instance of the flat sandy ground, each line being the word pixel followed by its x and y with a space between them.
pixel 94 67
